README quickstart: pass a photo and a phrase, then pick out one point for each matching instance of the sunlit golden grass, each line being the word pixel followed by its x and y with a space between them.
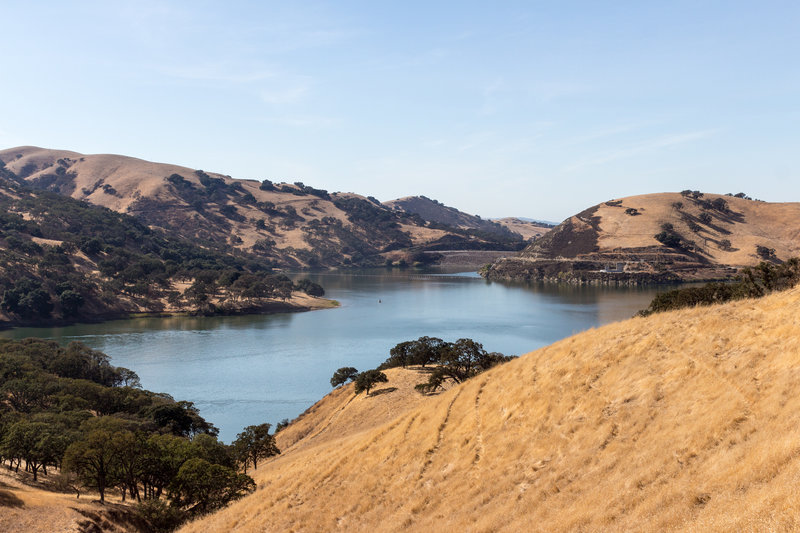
pixel 748 224
pixel 32 507
pixel 688 420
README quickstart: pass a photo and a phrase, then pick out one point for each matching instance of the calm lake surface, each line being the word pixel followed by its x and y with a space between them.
pixel 252 369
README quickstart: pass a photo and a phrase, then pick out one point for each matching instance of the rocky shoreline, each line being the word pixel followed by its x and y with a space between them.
pixel 584 272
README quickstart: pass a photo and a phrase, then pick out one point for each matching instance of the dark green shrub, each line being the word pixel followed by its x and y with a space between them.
pixel 668 239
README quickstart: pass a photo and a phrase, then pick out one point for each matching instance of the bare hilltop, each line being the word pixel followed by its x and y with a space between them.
pixel 659 237
pixel 649 424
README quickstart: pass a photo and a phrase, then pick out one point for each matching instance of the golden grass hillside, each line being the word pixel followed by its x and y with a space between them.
pixel 342 412
pixel 34 507
pixel 610 227
pixel 683 421
pixel 749 223
pixel 528 230
pixel 615 241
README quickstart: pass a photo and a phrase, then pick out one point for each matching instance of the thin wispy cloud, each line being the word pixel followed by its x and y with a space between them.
pixel 642 148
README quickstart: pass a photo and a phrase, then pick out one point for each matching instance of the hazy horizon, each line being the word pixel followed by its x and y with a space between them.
pixel 516 109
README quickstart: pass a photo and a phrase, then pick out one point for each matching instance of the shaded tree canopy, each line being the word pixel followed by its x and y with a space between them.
pixel 369 378
pixel 751 283
pixel 254 444
pixel 343 375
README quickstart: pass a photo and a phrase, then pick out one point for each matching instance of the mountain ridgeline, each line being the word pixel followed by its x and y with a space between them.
pixel 65 260
pixel 284 224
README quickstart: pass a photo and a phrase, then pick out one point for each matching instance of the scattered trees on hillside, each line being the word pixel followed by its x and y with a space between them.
pixel 739 195
pixel 454 361
pixel 460 361
pixel 68 408
pixel 41 281
pixel 691 194
pixel 668 239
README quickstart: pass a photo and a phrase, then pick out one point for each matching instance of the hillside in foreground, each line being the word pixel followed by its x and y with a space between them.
pixel 290 225
pixel 687 420
pixel 659 237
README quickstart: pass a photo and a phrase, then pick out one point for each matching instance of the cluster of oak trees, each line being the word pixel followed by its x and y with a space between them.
pixel 454 361
pixel 751 282
pixel 68 410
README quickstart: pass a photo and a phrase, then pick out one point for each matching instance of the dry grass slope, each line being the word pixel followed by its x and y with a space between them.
pixel 32 508
pixel 748 224
pixel 688 420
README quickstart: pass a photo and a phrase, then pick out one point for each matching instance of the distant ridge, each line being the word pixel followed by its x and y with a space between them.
pixel 659 237
pixel 438 213
pixel 288 225
pixel 531 220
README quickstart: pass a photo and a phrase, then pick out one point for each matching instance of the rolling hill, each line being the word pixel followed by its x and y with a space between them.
pixel 64 260
pixel 682 421
pixel 438 213
pixel 659 237
pixel 287 225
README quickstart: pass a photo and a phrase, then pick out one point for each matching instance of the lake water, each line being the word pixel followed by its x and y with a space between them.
pixel 251 369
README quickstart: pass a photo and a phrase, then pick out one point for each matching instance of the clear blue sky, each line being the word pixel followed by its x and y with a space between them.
pixel 535 109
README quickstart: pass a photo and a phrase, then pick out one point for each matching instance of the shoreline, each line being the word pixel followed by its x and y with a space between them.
pixel 298 304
